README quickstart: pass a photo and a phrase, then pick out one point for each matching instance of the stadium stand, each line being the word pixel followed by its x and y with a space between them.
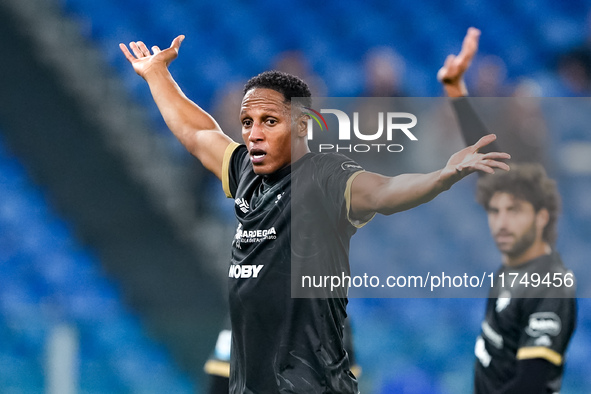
pixel 48 279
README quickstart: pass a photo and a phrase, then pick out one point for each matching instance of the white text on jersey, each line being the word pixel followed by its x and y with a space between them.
pixel 244 271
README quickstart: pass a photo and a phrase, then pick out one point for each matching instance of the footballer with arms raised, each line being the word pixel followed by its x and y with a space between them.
pixel 282 344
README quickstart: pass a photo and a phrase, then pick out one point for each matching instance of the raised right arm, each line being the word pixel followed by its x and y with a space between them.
pixel 451 76
pixel 194 128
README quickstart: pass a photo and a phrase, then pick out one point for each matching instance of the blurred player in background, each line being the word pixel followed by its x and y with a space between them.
pixel 531 312
pixel 528 323
pixel 279 343
pixel 218 363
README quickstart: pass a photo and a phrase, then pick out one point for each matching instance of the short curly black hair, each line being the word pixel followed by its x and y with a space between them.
pixel 288 85
pixel 528 182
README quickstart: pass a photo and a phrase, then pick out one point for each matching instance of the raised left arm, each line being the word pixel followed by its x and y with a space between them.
pixel 371 192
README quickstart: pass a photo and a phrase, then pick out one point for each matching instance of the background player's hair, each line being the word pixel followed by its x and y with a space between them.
pixel 288 85
pixel 528 182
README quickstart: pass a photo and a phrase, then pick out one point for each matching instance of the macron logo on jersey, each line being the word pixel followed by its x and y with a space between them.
pixel 242 204
pixel 244 271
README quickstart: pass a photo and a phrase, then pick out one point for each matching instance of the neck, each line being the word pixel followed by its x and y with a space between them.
pixel 299 152
pixel 538 249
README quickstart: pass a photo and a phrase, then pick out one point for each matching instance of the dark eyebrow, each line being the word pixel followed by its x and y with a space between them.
pixel 265 111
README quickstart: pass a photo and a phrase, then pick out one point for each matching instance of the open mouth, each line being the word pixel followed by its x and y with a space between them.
pixel 257 155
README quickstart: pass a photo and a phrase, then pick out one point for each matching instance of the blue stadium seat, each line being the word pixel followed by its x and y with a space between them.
pixel 48 278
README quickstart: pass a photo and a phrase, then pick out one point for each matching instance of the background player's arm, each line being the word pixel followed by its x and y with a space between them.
pixel 371 192
pixel 451 76
pixel 194 127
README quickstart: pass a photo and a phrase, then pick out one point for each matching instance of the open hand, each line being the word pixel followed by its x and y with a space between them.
pixel 469 160
pixel 143 61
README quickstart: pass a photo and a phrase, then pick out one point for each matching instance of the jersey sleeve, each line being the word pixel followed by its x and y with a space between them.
pixel 231 167
pixel 340 171
pixel 347 195
pixel 547 328
pixel 471 126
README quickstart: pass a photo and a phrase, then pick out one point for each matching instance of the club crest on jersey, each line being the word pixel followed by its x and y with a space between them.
pixel 242 204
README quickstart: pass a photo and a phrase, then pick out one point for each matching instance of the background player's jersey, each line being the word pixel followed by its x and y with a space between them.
pixel 525 322
pixel 282 344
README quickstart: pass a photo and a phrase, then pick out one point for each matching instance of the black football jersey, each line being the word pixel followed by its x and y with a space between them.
pixel 296 217
pixel 525 320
